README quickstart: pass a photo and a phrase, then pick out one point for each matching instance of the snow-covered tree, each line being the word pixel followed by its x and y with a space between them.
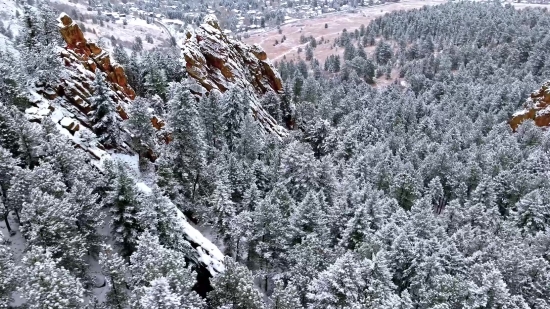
pixel 124 207
pixel 186 155
pixel 105 114
pixel 140 125
pixel 114 269
pixel 50 223
pixel 8 277
pixel 284 297
pixel 45 284
pixel 153 262
pixel 159 296
pixel 234 288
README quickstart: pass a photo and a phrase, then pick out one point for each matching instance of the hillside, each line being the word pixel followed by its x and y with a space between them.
pixel 202 175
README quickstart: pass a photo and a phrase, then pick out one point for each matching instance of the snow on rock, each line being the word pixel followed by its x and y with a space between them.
pixel 208 254
pixel 536 108
pixel 144 188
pixel 217 62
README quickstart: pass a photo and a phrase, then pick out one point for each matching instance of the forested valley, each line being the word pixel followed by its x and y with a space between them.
pixel 413 195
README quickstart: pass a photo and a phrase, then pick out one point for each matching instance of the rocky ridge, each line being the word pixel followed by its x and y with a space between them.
pixel 217 62
pixel 67 105
pixel 536 108
pixel 214 61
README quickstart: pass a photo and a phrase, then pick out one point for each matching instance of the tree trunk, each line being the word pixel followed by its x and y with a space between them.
pixel 7 222
pixel 195 185
pixel 17 215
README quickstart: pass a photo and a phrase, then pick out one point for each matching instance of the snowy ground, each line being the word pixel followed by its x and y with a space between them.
pixel 336 23
pixel 124 34
pixel 17 244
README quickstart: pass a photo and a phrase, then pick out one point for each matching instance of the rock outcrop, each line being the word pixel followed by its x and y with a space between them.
pixel 218 62
pixel 92 56
pixel 67 103
pixel 536 108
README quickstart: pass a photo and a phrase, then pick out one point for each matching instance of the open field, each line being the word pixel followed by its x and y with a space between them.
pixel 336 23
pixel 316 27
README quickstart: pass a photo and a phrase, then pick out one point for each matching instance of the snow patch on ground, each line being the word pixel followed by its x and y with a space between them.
pixel 144 188
pixel 17 245
pixel 130 160
pixel 209 254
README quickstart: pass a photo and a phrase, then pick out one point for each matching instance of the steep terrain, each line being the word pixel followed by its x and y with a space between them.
pixel 213 60
pixel 217 62
pixel 67 104
pixel 69 107
pixel 537 108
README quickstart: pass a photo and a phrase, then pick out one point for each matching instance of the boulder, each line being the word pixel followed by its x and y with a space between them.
pixel 536 108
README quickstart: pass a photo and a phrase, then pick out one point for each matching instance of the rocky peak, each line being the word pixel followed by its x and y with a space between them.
pixel 91 56
pixel 537 108
pixel 67 102
pixel 218 62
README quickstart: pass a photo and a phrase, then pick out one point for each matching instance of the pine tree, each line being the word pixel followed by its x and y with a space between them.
pixel 223 207
pixel 234 288
pixel 152 262
pixel 187 150
pixel 156 82
pixel 235 104
pixel 114 269
pixel 50 222
pixel 7 275
pixel 383 52
pixel 309 216
pixel 38 45
pixel 284 297
pixel 211 111
pixel 7 171
pixel 46 285
pixel 88 213
pixel 269 236
pixel 105 115
pixel 140 125
pixel 124 207
pixel 533 213
pixel 159 296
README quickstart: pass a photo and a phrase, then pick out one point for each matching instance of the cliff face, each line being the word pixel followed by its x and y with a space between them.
pixel 67 103
pixel 217 62
pixel 537 108
pixel 91 56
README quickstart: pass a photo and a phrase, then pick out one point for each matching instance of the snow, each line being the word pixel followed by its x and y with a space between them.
pixel 144 188
pixel 17 245
pixel 63 14
pixel 56 115
pixel 209 254
pixel 131 161
pixel 520 112
pixel 211 19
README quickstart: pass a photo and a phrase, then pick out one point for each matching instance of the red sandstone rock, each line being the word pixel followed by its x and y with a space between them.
pixel 537 108
pixel 92 56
